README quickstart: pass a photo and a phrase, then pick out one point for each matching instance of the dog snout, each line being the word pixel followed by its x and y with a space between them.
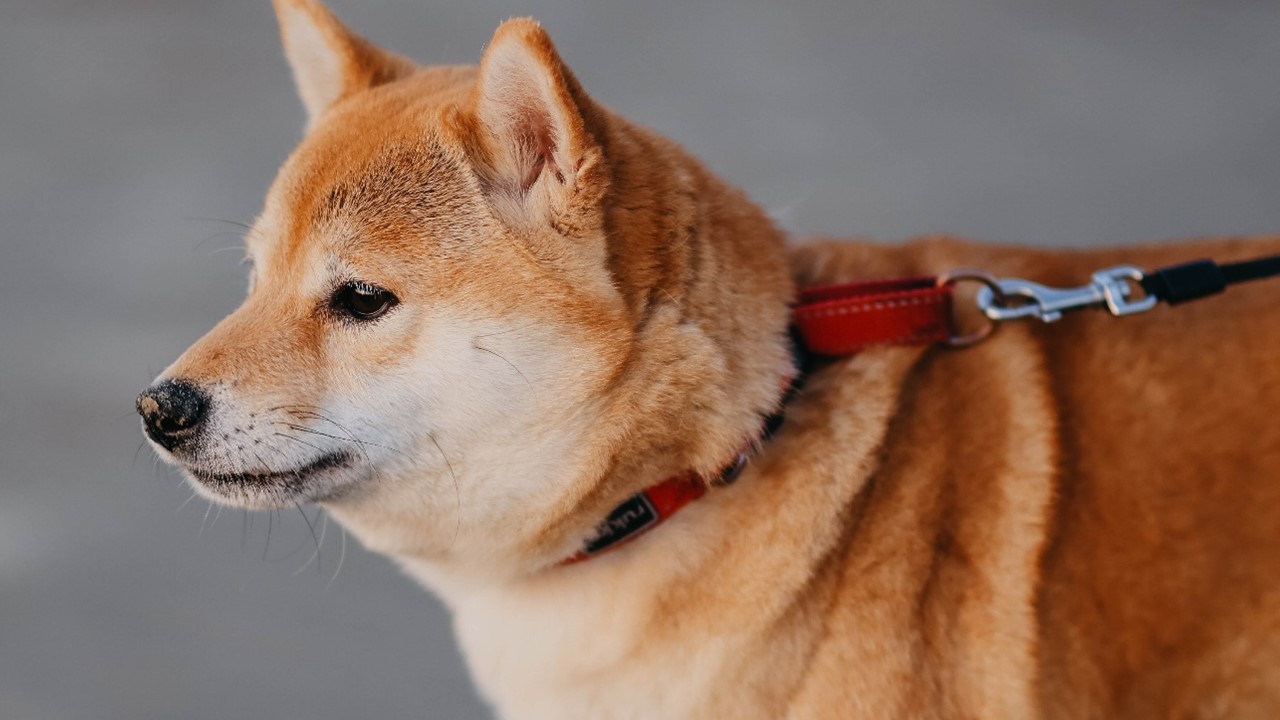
pixel 172 411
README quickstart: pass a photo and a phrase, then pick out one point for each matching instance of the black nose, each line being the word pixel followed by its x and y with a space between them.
pixel 172 411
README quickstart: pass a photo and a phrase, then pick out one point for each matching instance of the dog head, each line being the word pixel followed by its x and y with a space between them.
pixel 472 290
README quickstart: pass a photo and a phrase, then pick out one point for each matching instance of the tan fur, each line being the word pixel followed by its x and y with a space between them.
pixel 1069 521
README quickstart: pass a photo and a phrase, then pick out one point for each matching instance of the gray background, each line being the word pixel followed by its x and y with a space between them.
pixel 124 123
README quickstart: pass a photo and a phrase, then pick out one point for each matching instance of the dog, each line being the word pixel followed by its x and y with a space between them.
pixel 485 311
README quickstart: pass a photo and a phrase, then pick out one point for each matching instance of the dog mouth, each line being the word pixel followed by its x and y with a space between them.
pixel 273 486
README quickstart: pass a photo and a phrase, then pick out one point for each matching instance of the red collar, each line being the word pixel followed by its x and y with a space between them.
pixel 829 320
pixel 843 319
pixel 641 513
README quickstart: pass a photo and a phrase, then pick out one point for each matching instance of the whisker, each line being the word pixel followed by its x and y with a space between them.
pixel 305 414
pixel 457 493
pixel 317 448
pixel 342 555
pixel 304 411
pixel 206 519
pixel 136 453
pixel 296 549
pixel 237 223
pixel 215 251
pixel 503 359
pixel 316 414
pixel 268 547
pixel 305 429
pixel 324 527
pixel 503 332
pixel 296 406
pixel 314 538
pixel 350 436
pixel 359 445
pixel 217 235
pixel 194 493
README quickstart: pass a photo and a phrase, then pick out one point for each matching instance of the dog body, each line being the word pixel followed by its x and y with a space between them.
pixel 484 311
pixel 1067 521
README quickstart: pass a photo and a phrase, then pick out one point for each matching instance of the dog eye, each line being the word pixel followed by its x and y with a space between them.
pixel 363 301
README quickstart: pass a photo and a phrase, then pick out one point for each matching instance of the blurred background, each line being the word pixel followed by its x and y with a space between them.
pixel 136 134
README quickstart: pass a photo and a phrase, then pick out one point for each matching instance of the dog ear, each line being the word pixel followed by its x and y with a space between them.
pixel 533 119
pixel 329 61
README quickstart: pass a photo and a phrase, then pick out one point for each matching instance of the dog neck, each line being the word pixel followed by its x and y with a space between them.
pixel 569 641
pixel 705 279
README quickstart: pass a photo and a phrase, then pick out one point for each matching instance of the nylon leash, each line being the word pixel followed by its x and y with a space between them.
pixel 1202 278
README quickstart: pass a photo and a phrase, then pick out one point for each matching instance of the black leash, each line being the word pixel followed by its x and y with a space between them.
pixel 1114 288
pixel 1201 278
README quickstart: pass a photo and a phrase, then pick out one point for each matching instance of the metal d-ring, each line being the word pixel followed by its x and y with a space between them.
pixel 959 275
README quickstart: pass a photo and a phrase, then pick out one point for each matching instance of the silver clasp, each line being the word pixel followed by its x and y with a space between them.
pixel 1110 288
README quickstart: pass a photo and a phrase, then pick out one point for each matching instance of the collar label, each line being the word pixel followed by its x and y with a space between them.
pixel 631 517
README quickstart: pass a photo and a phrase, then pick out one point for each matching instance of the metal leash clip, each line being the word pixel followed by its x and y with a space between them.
pixel 1002 299
pixel 1111 288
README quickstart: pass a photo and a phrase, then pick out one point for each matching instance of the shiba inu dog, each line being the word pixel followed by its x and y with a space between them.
pixel 485 311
